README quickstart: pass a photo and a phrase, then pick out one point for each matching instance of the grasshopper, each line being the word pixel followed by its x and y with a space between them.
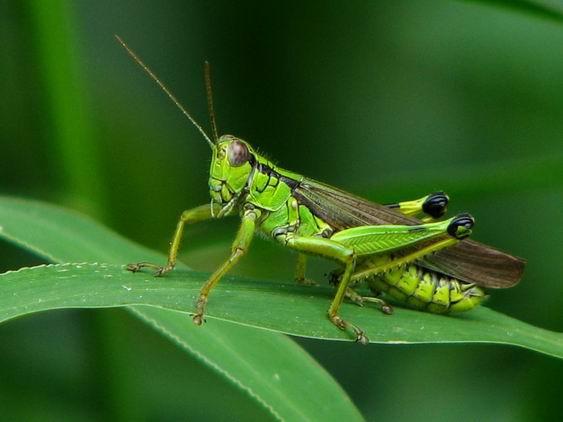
pixel 426 264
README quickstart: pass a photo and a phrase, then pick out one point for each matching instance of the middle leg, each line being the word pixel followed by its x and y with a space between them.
pixel 336 252
pixel 300 270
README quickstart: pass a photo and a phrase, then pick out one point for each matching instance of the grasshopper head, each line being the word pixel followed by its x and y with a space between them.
pixel 232 160
pixel 231 166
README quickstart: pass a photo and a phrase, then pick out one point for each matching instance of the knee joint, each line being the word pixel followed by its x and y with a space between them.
pixel 349 257
pixel 186 216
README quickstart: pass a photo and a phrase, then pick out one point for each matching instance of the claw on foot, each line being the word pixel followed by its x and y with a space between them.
pixel 339 322
pixel 198 319
pixel 383 306
pixel 159 270
pixel 133 268
pixel 361 338
pixel 387 309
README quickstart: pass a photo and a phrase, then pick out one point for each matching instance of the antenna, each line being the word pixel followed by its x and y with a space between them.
pixel 165 89
pixel 209 91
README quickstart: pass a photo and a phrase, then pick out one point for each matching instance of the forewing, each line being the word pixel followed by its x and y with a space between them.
pixel 343 210
pixel 469 261
pixel 476 262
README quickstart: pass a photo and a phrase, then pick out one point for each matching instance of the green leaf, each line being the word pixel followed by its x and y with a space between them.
pixel 287 308
pixel 272 369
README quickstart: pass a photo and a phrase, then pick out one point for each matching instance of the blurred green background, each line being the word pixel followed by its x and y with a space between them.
pixel 390 100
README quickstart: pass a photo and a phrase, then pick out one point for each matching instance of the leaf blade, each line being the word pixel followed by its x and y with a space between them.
pixel 61 235
pixel 286 308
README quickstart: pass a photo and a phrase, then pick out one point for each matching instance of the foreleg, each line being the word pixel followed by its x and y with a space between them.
pixel 239 248
pixel 191 216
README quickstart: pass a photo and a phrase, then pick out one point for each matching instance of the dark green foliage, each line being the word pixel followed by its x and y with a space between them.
pixel 396 99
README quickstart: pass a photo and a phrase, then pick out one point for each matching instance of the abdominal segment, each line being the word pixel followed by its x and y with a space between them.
pixel 418 288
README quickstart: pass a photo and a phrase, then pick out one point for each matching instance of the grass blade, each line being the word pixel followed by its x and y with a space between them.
pixel 271 368
pixel 286 308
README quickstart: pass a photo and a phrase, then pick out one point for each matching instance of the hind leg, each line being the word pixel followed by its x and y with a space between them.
pixel 433 206
pixel 300 270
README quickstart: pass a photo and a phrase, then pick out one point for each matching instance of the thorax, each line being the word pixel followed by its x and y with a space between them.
pixel 269 186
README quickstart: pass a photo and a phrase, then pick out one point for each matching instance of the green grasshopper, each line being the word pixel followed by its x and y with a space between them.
pixel 421 264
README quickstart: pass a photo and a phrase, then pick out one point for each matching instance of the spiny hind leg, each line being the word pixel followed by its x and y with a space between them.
pixel 404 241
pixel 376 240
pixel 441 235
pixel 433 206
pixel 372 269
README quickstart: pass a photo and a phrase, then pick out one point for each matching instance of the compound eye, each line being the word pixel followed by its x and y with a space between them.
pixel 238 154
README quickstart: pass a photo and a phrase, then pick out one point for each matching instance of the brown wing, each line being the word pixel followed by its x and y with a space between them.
pixel 469 261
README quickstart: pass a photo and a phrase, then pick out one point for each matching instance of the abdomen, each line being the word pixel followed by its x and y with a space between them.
pixel 418 288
